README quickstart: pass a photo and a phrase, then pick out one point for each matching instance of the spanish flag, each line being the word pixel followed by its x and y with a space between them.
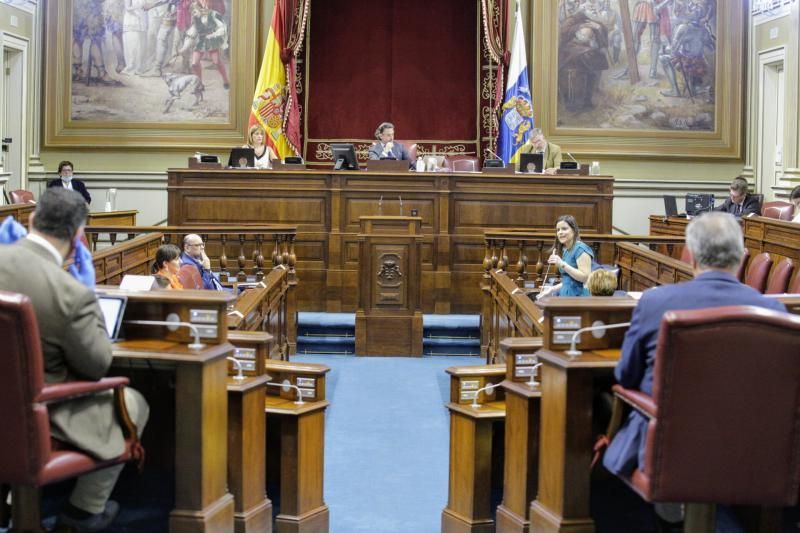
pixel 274 102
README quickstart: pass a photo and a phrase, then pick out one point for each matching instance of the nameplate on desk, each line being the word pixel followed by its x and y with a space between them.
pixel 564 337
pixel 306 393
pixel 526 359
pixel 244 353
pixel 566 322
pixel 470 384
pixel 306 382
pixel 524 371
pixel 203 316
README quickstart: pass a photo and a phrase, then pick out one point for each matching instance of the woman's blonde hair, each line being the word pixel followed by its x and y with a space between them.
pixel 602 283
pixel 254 128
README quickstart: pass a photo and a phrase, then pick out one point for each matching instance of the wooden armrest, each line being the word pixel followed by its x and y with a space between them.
pixel 71 389
pixel 637 399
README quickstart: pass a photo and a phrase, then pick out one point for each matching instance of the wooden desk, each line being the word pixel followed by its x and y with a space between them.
pixel 673 226
pixel 247 475
pixel 640 269
pixel 562 503
pixel 112 218
pixel 566 439
pixel 130 257
pixel 326 206
pixel 521 464
pixel 20 212
pixel 298 431
pixel 202 500
pixel 476 450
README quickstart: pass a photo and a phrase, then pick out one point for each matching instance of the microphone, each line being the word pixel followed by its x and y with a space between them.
pixel 489 391
pixel 493 154
pixel 575 160
pixel 172 323
pixel 597 326
pixel 238 366
pixel 286 386
pixel 532 380
pixel 401 204
pixel 380 205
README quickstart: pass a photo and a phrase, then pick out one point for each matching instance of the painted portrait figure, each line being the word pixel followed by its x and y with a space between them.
pixel 637 64
pixel 150 60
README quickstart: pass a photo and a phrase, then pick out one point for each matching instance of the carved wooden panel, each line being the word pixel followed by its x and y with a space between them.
pixel 390 277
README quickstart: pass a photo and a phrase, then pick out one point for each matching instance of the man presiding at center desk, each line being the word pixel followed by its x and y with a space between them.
pixel 551 159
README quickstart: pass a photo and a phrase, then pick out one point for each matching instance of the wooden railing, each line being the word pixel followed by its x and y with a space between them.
pixel 269 307
pixel 640 268
pixel 130 257
pixel 20 212
pixel 235 251
pixel 520 244
pixel 507 312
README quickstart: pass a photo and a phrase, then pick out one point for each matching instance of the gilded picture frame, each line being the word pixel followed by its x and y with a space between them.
pixel 127 102
pixel 651 131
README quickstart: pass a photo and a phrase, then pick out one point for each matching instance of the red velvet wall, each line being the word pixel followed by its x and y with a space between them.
pixel 412 62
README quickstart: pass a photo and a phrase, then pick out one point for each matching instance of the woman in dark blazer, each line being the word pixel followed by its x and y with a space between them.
pixel 66 180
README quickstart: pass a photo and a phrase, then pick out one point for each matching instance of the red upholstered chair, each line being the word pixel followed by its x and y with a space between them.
pixel 781 274
pixel 715 434
pixel 794 286
pixel 743 266
pixel 29 458
pixel 412 149
pixel 462 163
pixel 686 255
pixel 778 209
pixel 21 196
pixel 758 271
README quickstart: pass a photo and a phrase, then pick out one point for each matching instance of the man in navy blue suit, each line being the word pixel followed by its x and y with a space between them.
pixel 387 147
pixel 717 247
pixel 66 180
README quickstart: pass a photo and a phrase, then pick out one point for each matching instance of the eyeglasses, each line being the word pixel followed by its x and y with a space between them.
pixel 197 244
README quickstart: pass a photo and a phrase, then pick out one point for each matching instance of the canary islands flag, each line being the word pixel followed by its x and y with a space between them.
pixel 272 102
pixel 516 121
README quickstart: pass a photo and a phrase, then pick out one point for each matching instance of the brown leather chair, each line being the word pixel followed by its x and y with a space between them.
pixel 715 434
pixel 29 458
pixel 778 209
pixel 462 163
pixel 743 266
pixel 779 279
pixel 21 196
pixel 412 149
pixel 758 271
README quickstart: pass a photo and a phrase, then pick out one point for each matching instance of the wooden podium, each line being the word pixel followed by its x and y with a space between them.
pixel 389 315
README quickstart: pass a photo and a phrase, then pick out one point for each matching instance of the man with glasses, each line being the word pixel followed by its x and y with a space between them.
pixel 195 272
pixel 740 203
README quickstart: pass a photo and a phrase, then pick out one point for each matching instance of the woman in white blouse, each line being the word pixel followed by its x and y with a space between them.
pixel 255 140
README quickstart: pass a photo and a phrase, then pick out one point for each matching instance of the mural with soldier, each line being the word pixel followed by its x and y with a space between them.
pixel 637 64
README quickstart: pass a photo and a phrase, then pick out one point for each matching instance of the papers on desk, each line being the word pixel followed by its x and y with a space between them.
pixel 634 294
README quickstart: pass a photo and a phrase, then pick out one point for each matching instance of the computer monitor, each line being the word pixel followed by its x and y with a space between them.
pixel 242 158
pixel 344 154
pixel 670 206
pixel 697 203
pixel 531 162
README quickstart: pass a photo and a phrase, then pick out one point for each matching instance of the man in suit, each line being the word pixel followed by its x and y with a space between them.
pixel 740 203
pixel 716 245
pixel 386 147
pixel 551 152
pixel 75 345
pixel 66 181
pixel 195 272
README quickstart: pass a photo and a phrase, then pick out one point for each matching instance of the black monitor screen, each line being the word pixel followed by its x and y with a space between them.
pixel 242 158
pixel 532 162
pixel 344 155
pixel 699 203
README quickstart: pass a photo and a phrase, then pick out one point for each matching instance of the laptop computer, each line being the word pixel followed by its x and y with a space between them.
pixel 242 158
pixel 671 207
pixel 532 162
pixel 113 308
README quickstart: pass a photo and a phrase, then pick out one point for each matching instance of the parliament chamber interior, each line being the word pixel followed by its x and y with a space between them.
pixel 400 266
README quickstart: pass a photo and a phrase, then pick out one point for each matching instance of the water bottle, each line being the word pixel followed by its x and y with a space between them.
pixel 594 170
pixel 420 165
pixel 111 200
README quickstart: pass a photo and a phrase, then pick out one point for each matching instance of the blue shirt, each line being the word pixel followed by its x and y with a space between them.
pixel 569 285
pixel 209 281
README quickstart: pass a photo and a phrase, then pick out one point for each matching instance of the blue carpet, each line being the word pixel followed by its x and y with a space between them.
pixel 386 442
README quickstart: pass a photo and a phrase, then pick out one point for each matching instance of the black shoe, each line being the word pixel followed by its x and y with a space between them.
pixel 92 523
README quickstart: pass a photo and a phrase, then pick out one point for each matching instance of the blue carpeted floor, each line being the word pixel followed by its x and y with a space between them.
pixel 386 442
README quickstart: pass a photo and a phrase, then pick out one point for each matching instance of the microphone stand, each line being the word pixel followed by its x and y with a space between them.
pixel 489 391
pixel 574 352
